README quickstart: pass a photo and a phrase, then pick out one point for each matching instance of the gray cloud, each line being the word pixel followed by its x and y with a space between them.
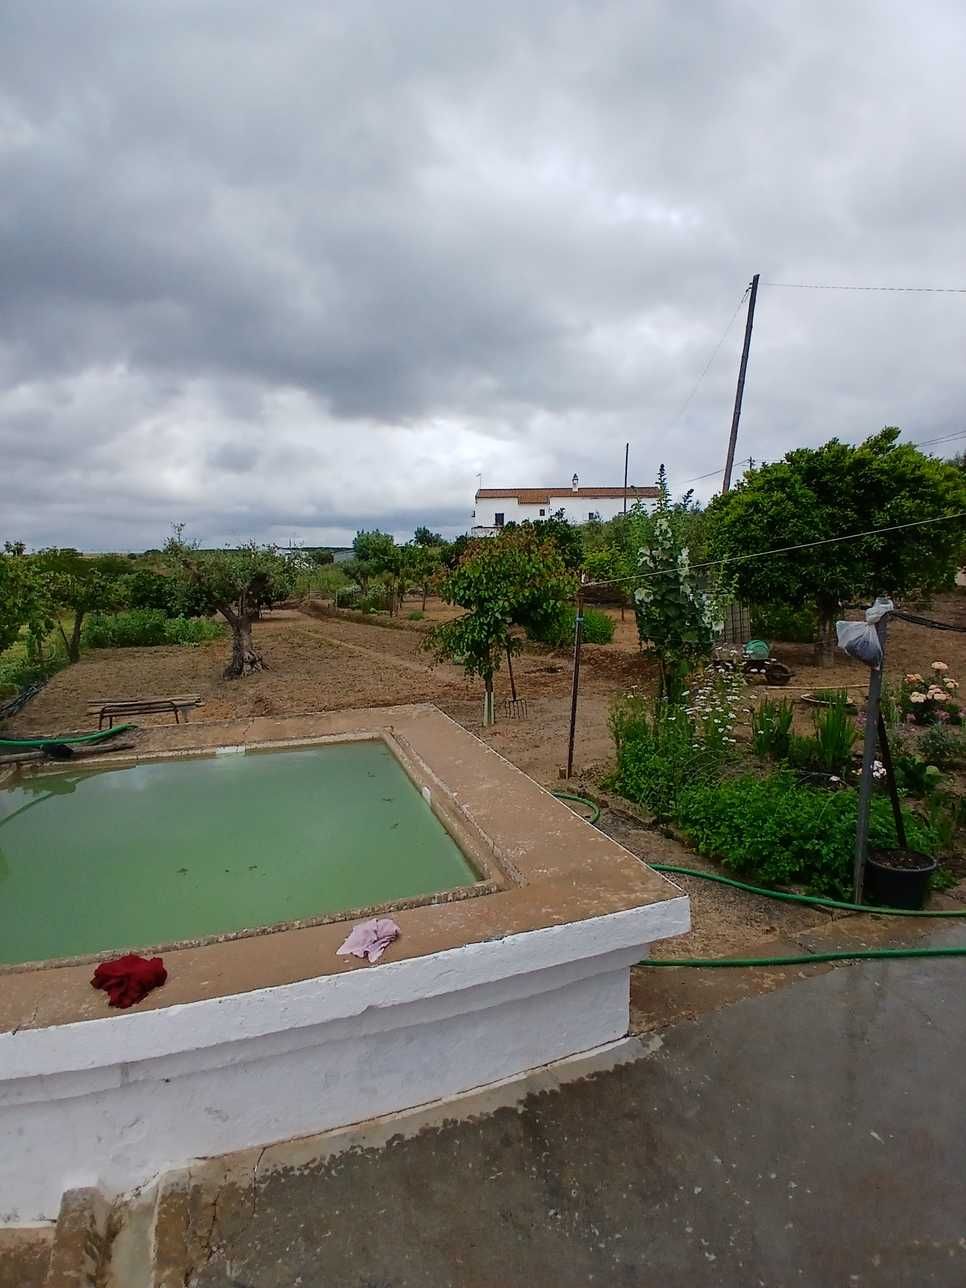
pixel 288 272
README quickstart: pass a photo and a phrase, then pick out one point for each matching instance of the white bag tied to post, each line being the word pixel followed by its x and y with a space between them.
pixel 861 639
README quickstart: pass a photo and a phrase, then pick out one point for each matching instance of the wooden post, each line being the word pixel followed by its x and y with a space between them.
pixel 578 636
pixel 868 757
pixel 509 667
pixel 739 392
pixel 627 452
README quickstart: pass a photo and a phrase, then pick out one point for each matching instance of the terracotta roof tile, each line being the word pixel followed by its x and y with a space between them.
pixel 543 496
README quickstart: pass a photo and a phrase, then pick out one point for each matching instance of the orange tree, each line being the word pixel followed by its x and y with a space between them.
pixel 516 579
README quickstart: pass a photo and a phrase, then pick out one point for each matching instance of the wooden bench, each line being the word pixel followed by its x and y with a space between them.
pixel 110 708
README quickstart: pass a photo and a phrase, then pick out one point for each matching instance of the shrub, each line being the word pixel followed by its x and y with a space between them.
pixel 771 728
pixel 415 616
pixel 835 736
pixel 941 747
pixel 776 831
pixel 598 628
pixel 791 625
pixel 661 750
pixel 192 630
pixel 148 589
pixel 146 628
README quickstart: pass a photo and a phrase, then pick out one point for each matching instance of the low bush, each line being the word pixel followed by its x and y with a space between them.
pixel 775 831
pixel 17 671
pixel 943 747
pixel 771 726
pixel 829 749
pixel 146 628
pixel 415 616
pixel 791 625
pixel 660 751
pixel 598 628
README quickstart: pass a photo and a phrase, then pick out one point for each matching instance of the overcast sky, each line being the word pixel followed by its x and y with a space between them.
pixel 284 270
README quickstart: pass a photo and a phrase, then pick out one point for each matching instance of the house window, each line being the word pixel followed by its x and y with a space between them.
pixel 543 514
pixel 498 519
pixel 591 516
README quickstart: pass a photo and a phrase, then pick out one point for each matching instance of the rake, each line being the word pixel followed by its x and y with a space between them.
pixel 514 708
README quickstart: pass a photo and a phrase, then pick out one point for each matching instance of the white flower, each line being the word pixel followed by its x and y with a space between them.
pixel 917 697
pixel 940 666
pixel 950 683
pixel 834 778
pixel 878 769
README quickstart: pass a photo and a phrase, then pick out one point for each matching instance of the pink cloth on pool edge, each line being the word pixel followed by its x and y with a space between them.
pixel 370 939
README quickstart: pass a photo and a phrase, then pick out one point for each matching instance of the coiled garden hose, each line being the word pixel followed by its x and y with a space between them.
pixel 854 954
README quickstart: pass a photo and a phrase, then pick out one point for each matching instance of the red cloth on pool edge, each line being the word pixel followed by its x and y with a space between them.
pixel 130 978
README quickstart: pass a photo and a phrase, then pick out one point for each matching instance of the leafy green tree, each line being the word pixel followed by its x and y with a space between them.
pixel 676 614
pixel 831 491
pixel 26 600
pixel 425 563
pixel 558 529
pixel 78 586
pixel 373 547
pixel 237 584
pixel 423 537
pixel 516 578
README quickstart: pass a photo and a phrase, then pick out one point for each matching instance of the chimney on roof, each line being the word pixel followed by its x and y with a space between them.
pixel 574 482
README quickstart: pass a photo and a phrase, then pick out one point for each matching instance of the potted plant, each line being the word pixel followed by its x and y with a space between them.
pixel 897 878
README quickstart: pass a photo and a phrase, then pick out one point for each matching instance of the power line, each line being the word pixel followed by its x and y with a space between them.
pixel 707 367
pixel 712 473
pixel 780 550
pixel 915 290
pixel 932 442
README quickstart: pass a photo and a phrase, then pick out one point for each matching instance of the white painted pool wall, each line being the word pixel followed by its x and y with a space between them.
pixel 115 1101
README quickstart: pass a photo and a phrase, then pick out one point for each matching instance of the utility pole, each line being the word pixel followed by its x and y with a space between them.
pixel 627 452
pixel 733 440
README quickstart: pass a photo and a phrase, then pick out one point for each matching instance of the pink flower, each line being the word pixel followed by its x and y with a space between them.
pixel 940 666
pixel 914 679
pixel 943 716
pixel 950 683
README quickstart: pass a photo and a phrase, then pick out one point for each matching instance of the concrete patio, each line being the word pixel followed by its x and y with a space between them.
pixel 811 1136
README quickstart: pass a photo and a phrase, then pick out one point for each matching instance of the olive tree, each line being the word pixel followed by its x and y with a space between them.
pixel 237 584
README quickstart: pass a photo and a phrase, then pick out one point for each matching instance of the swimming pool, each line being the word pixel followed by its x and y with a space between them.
pixel 162 852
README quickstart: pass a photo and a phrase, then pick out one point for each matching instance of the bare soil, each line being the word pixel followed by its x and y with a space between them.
pixel 328 663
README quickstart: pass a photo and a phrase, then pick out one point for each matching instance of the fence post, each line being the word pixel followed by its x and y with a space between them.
pixel 578 636
pixel 868 758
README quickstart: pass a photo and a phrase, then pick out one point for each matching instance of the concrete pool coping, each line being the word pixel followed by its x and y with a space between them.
pixel 542 867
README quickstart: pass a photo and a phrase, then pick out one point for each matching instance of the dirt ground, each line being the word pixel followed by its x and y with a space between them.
pixel 329 663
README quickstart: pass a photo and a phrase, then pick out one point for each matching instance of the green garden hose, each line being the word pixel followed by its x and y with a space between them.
pixel 807 959
pixel 23 744
pixel 786 897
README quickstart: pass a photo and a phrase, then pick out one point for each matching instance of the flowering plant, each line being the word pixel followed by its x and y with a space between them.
pixel 930 701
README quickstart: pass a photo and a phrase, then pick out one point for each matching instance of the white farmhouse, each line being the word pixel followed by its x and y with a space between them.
pixel 496 506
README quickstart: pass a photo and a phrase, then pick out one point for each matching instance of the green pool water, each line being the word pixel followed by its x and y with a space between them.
pixel 181 849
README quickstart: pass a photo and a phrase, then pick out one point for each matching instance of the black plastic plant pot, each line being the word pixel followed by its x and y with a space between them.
pixel 897 879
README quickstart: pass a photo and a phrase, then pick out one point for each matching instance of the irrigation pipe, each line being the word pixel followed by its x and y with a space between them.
pixel 784 896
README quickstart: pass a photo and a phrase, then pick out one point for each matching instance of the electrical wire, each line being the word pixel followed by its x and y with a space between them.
pixel 707 366
pixel 915 290
pixel 780 550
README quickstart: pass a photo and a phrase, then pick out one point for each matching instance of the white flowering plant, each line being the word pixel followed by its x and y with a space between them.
pixel 677 616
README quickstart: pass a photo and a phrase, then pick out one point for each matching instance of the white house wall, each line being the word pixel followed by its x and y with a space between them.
pixel 576 509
